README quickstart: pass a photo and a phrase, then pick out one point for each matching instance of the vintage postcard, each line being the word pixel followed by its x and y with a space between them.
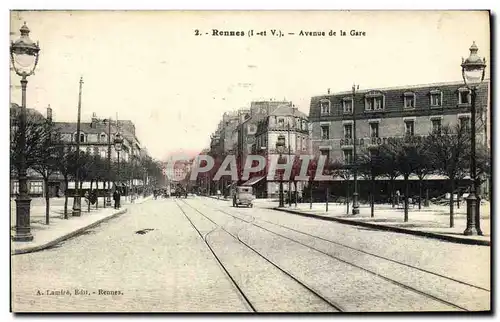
pixel 250 161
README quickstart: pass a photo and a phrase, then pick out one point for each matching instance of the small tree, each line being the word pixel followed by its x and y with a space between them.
pixel 448 151
pixel 423 166
pixel 66 165
pixel 389 167
pixel 403 154
pixel 46 160
pixel 371 167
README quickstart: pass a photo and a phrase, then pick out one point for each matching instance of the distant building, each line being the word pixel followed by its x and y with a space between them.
pixel 293 126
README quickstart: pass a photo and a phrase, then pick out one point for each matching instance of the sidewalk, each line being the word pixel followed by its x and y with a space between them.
pixel 60 229
pixel 431 222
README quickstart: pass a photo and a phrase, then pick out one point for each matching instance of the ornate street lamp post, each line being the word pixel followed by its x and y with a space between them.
pixel 473 69
pixel 24 55
pixel 118 141
pixel 355 201
pixel 280 146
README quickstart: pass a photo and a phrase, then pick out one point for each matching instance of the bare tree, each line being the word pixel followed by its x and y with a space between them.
pixel 371 166
pixel 448 152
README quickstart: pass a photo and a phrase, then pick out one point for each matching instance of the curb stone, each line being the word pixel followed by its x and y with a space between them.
pixel 466 241
pixel 66 236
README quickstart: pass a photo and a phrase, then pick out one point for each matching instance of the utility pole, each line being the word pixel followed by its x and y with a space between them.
pixel 77 201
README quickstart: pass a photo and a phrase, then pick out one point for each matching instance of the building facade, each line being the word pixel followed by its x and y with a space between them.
pixel 287 122
pixel 392 112
pixel 382 114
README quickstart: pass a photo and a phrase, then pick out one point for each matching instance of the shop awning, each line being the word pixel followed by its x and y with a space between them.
pixel 252 181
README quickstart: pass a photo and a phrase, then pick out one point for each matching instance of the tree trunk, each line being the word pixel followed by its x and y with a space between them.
pixel 407 191
pixel 296 194
pixel 347 196
pixel 458 199
pixel 310 195
pixel 452 187
pixel 90 191
pixel 47 200
pixel 97 194
pixel 392 193
pixel 372 197
pixel 66 198
pixel 420 182
pixel 327 193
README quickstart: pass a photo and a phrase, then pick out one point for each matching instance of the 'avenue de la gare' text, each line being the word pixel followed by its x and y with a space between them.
pixel 306 33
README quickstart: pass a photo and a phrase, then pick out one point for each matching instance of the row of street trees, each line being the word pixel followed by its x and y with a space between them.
pixel 49 156
pixel 445 152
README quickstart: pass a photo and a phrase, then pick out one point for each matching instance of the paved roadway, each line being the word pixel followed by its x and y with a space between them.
pixel 202 255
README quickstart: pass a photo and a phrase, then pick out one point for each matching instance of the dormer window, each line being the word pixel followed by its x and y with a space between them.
pixel 103 137
pixel 281 122
pixel 325 106
pixel 347 105
pixel 464 97
pixel 436 97
pixel 82 137
pixel 409 100
pixel 374 101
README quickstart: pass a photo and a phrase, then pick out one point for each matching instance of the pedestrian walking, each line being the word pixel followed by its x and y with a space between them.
pixel 87 198
pixel 116 198
pixel 398 195
pixel 218 194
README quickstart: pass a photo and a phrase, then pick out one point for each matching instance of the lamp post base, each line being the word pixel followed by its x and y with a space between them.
pixel 77 207
pixel 471 229
pixel 23 229
pixel 355 204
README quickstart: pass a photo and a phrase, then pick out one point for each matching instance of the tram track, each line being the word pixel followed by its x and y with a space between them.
pixel 400 284
pixel 237 238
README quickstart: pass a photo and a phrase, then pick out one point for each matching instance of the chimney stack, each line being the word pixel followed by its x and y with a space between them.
pixel 49 113
pixel 94 120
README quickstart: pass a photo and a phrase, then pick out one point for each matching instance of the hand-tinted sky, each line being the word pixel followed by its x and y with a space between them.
pixel 150 67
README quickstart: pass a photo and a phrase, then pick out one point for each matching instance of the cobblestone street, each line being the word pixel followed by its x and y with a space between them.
pixel 202 255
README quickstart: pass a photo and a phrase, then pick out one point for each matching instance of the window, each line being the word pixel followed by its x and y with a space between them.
pixel 347 105
pixel 409 100
pixel 103 154
pixel 465 122
pixel 409 127
pixel 374 130
pixel 281 122
pixel 348 131
pixel 325 132
pixel 36 187
pixel 347 156
pixel 15 187
pixel 325 106
pixel 325 152
pixel 436 98
pixel 82 137
pixel 464 96
pixel 374 103
pixel 103 137
pixel 436 125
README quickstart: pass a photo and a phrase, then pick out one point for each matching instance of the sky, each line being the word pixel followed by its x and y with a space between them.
pixel 151 68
